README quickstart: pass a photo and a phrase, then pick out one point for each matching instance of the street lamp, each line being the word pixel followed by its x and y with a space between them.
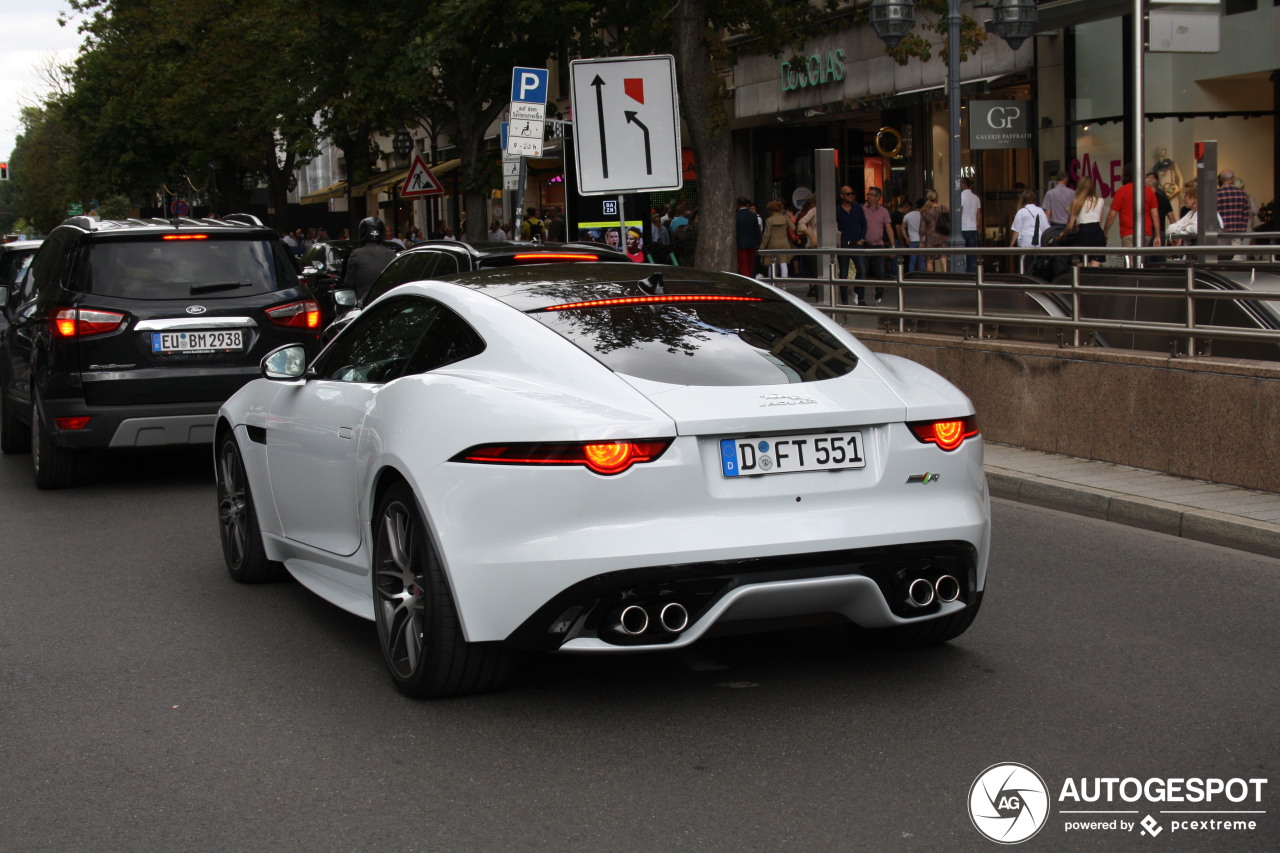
pixel 248 181
pixel 402 144
pixel 1015 22
pixel 892 20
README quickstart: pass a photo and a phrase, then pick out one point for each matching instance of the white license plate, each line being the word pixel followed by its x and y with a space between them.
pixel 201 341
pixel 784 454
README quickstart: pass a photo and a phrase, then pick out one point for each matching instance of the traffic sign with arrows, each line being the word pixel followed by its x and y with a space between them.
pixel 626 128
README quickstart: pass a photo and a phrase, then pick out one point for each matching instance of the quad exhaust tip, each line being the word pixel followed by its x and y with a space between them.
pixel 920 593
pixel 948 589
pixel 674 617
pixel 633 620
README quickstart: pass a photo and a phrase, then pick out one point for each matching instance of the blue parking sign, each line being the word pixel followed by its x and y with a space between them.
pixel 529 85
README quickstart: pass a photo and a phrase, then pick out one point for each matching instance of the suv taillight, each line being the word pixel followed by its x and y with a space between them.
pixel 79 323
pixel 296 315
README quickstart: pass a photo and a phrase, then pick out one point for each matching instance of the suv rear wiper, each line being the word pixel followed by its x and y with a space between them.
pixel 218 285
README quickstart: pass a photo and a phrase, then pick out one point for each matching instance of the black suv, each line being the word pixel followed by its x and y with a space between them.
pixel 132 333
pixel 435 259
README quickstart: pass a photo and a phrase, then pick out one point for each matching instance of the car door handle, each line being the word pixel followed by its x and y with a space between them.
pixel 346 432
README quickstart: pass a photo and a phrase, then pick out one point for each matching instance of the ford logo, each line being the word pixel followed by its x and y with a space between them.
pixel 196 309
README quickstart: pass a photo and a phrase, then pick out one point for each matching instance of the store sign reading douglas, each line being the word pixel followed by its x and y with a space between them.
pixel 813 71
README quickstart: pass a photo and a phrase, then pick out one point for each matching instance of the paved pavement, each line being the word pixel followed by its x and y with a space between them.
pixel 1194 509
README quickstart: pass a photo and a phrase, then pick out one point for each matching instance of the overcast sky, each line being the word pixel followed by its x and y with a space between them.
pixel 28 32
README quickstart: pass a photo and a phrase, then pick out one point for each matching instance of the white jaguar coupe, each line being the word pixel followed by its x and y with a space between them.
pixel 602 458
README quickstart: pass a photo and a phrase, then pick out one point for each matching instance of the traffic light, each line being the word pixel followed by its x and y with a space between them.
pixel 4 171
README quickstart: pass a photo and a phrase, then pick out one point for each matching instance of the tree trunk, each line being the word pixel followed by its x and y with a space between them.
pixel 704 115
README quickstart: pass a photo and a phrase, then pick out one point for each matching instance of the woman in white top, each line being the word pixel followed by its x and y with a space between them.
pixel 1185 229
pixel 1084 219
pixel 1024 232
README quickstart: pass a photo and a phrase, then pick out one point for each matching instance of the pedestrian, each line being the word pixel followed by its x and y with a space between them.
pixel 747 235
pixel 1029 225
pixel 556 227
pixel 851 222
pixel 807 231
pixel 879 235
pixel 1084 221
pixel 776 229
pixel 935 229
pixel 1185 230
pixel 1057 201
pixel 368 259
pixel 531 229
pixel 496 231
pixel 911 233
pixel 1233 207
pixel 1122 210
pixel 970 215
pixel 659 242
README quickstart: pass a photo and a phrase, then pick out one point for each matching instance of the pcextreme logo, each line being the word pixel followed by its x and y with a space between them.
pixel 1009 803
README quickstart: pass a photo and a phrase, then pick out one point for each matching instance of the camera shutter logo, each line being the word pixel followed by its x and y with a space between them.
pixel 1008 803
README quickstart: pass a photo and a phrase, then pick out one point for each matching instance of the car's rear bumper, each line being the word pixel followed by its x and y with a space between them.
pixel 517 544
pixel 120 427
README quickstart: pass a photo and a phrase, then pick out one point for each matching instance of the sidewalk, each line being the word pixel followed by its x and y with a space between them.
pixel 1195 509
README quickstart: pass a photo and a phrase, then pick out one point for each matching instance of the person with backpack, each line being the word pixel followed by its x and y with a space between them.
pixel 1029 224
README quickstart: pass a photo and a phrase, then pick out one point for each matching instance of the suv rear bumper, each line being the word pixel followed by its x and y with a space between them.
pixel 120 427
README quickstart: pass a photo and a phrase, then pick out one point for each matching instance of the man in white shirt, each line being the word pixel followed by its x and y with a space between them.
pixel 970 207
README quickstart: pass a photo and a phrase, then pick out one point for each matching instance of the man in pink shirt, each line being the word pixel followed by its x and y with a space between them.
pixel 1122 208
pixel 879 233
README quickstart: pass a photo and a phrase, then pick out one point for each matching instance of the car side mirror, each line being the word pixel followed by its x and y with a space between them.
pixel 285 363
pixel 344 298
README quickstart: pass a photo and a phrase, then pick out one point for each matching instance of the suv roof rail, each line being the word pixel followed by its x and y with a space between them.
pixel 88 223
pixel 243 219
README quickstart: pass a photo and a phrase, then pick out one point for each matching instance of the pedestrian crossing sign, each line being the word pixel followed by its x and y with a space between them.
pixel 420 183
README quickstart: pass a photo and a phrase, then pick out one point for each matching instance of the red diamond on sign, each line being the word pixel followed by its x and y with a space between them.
pixel 634 87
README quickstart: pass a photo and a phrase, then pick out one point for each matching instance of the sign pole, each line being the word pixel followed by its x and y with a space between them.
pixel 517 221
pixel 622 223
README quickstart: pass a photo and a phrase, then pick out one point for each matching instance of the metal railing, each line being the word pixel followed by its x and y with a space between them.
pixel 896 317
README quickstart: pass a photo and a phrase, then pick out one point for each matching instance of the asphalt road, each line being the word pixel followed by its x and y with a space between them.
pixel 149 703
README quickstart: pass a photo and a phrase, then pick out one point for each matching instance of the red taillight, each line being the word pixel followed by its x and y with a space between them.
pixel 603 457
pixel 296 315
pixel 185 237
pixel 72 423
pixel 79 323
pixel 652 300
pixel 948 434
pixel 548 257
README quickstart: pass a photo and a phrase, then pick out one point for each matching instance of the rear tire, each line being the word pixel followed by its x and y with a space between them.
pixel 238 529
pixel 54 467
pixel 15 436
pixel 418 627
pixel 929 632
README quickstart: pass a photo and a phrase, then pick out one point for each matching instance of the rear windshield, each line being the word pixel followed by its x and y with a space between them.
pixel 154 268
pixel 13 265
pixel 766 342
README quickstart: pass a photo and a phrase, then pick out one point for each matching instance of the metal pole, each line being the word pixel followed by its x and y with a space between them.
pixel 1139 119
pixel 953 106
pixel 517 222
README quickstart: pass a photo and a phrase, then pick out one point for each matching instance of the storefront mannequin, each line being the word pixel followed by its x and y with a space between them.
pixel 1168 173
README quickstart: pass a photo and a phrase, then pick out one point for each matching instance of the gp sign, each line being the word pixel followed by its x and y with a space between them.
pixel 626 125
pixel 529 85
pixel 1000 124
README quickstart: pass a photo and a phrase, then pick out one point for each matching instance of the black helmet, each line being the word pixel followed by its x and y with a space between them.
pixel 372 230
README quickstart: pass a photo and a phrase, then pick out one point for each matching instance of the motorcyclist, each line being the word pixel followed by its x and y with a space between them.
pixel 368 259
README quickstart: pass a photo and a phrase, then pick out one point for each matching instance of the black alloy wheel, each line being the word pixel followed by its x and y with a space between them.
pixel 242 549
pixel 418 627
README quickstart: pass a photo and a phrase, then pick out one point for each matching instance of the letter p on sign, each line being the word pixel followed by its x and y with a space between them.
pixel 529 85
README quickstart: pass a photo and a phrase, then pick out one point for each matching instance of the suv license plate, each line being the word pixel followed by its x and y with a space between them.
pixel 202 341
pixel 784 454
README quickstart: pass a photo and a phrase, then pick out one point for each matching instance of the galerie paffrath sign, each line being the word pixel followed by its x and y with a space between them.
pixel 1000 124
